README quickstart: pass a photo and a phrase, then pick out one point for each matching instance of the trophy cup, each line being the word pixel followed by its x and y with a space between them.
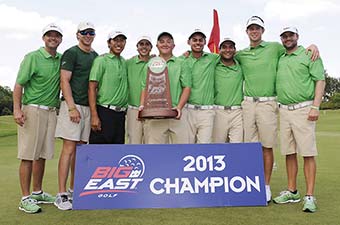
pixel 157 102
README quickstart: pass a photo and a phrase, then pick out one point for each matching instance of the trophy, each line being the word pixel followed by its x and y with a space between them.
pixel 157 102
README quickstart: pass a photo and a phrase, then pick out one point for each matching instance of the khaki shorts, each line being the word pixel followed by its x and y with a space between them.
pixel 228 126
pixel 297 133
pixel 134 127
pixel 260 122
pixel 201 122
pixel 36 136
pixel 66 129
pixel 167 131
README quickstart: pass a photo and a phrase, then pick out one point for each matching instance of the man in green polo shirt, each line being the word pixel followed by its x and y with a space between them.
pixel 300 86
pixel 35 114
pixel 162 131
pixel 73 125
pixel 259 65
pixel 136 69
pixel 108 93
pixel 200 104
pixel 228 123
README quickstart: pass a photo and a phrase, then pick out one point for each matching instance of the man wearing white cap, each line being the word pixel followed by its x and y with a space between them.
pixel 175 131
pixel 35 114
pixel 137 68
pixel 228 123
pixel 300 86
pixel 259 65
pixel 200 104
pixel 73 125
pixel 108 93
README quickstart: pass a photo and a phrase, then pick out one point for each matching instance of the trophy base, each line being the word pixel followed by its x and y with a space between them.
pixel 157 113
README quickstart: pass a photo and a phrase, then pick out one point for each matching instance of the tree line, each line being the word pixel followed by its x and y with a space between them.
pixel 331 96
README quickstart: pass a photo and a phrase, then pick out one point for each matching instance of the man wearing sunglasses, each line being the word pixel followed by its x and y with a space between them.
pixel 73 125
pixel 108 93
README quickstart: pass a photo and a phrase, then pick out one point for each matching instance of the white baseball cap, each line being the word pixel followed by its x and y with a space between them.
pixel 227 39
pixel 52 27
pixel 255 20
pixel 289 29
pixel 115 33
pixel 85 25
pixel 147 38
pixel 197 31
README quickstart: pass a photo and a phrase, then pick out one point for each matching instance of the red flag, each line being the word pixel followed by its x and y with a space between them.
pixel 214 39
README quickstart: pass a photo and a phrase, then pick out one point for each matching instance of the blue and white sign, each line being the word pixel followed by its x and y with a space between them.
pixel 169 176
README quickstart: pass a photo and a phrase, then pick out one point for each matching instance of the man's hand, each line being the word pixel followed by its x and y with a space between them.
pixel 19 117
pixel 95 123
pixel 179 112
pixel 140 109
pixel 74 115
pixel 186 54
pixel 313 115
pixel 315 52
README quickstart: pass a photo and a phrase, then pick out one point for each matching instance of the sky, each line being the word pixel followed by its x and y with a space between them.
pixel 22 23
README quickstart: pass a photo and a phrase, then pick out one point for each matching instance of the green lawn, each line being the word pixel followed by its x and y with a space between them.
pixel 327 189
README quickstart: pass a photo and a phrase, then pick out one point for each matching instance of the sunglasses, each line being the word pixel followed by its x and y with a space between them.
pixel 86 32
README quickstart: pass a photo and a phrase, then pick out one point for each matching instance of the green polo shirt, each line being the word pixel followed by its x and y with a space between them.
pixel 39 75
pixel 259 66
pixel 179 78
pixel 228 84
pixel 79 63
pixel 136 71
pixel 111 74
pixel 296 77
pixel 202 75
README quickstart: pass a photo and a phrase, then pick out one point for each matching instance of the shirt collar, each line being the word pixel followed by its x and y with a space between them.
pixel 110 55
pixel 138 60
pixel 233 67
pixel 262 45
pixel 46 54
pixel 297 51
pixel 203 54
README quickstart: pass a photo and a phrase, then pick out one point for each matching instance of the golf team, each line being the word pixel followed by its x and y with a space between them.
pixel 227 97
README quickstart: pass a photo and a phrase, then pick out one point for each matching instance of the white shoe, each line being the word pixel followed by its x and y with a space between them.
pixel 70 194
pixel 62 202
pixel 268 194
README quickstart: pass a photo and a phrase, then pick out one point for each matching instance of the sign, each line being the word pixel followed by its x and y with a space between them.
pixel 168 176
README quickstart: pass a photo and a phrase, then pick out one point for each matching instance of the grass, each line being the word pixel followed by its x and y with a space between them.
pixel 327 189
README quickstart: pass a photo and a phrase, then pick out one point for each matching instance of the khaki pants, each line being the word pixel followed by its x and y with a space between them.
pixel 260 122
pixel 69 130
pixel 165 131
pixel 134 127
pixel 36 136
pixel 201 122
pixel 297 134
pixel 228 126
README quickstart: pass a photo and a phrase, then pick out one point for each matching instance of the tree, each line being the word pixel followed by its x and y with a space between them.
pixel 332 86
pixel 6 101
